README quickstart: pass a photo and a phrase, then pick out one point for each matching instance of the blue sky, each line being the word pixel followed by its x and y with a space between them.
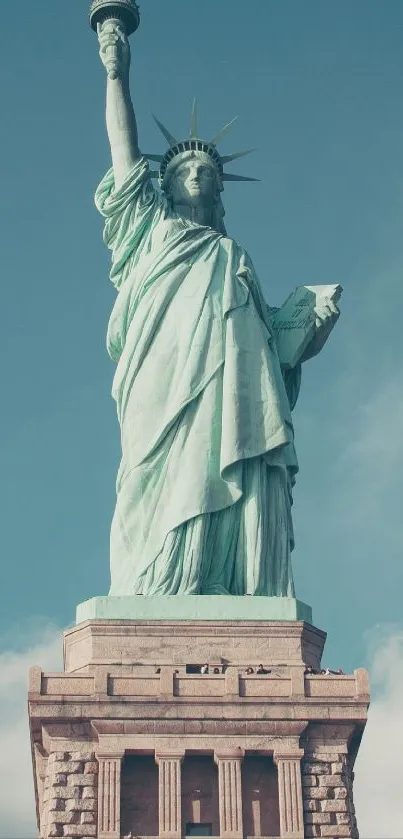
pixel 319 92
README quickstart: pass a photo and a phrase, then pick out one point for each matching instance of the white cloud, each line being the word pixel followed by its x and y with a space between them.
pixel 379 765
pixel 17 805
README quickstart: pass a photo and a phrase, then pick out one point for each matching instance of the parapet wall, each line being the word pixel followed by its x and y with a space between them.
pixel 291 683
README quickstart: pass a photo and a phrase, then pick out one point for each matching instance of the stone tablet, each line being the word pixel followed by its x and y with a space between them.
pixel 294 322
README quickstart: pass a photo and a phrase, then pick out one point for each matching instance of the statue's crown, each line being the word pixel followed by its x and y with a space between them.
pixel 195 144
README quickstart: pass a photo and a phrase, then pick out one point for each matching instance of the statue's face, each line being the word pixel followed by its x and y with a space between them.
pixel 193 184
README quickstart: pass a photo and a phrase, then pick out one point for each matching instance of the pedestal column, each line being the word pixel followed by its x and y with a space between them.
pixel 230 793
pixel 169 794
pixel 109 795
pixel 290 794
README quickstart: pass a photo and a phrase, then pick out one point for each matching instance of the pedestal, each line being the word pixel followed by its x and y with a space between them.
pixel 229 751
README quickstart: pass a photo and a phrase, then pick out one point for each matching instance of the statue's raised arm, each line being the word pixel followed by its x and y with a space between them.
pixel 120 117
pixel 125 197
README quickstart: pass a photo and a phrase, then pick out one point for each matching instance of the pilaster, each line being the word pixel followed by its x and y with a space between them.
pixel 230 793
pixel 290 794
pixel 109 795
pixel 169 787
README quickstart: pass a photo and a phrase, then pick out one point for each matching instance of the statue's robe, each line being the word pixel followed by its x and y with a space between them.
pixel 204 485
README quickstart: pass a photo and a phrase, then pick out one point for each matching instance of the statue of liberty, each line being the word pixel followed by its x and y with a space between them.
pixel 204 488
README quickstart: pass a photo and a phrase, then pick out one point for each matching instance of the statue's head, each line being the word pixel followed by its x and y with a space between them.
pixel 192 179
pixel 191 171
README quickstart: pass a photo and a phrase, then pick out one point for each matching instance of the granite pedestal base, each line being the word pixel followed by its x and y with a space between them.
pixel 133 739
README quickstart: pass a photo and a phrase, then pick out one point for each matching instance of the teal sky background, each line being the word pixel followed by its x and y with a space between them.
pixel 319 92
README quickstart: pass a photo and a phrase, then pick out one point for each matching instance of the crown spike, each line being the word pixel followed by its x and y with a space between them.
pixel 228 157
pixel 193 121
pixel 169 137
pixel 227 177
pixel 217 139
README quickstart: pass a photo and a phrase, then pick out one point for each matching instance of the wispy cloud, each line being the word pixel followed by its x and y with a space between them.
pixel 17 806
pixel 379 765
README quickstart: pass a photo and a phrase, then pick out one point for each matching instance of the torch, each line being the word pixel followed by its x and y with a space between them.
pixel 122 12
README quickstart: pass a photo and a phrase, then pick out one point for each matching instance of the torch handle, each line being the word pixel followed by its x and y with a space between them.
pixel 112 51
pixel 112 64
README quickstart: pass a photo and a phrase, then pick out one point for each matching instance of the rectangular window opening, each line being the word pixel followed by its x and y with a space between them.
pixel 194 668
pixel 199 829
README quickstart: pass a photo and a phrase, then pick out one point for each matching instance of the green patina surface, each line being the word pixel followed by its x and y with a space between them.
pixel 206 379
pixel 194 607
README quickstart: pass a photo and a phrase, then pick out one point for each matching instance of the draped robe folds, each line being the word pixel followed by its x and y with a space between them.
pixel 204 485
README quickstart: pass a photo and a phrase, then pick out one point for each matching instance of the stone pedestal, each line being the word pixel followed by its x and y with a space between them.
pixel 239 753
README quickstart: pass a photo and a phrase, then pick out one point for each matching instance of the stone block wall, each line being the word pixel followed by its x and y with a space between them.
pixel 327 786
pixel 70 796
